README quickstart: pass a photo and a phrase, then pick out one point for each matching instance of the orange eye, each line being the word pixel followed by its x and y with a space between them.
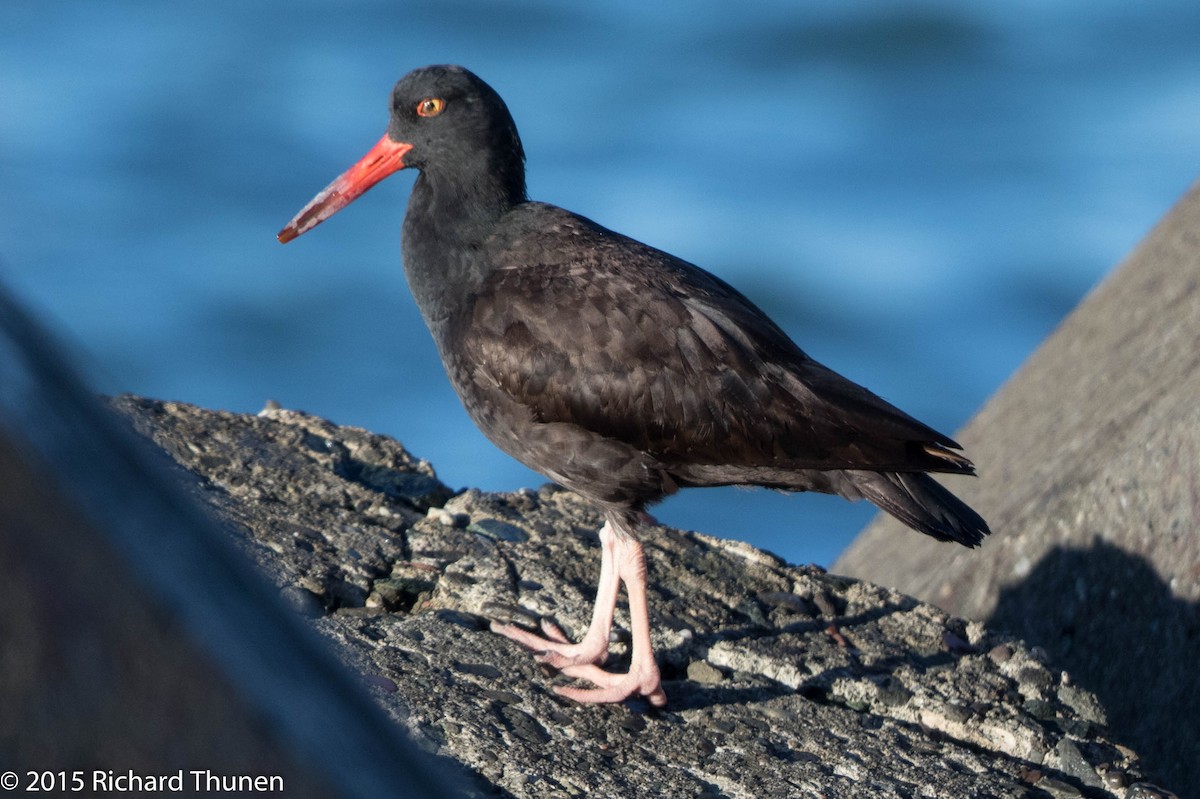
pixel 430 107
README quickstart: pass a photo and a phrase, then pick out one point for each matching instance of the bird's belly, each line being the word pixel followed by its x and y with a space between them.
pixel 604 470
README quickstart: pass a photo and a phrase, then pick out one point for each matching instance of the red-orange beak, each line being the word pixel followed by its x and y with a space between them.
pixel 383 159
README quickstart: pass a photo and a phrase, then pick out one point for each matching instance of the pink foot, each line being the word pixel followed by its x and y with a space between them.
pixel 622 561
pixel 612 687
pixel 555 649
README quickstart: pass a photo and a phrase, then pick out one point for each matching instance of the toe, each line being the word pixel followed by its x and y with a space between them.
pixel 612 687
pixel 618 691
pixel 555 650
pixel 554 632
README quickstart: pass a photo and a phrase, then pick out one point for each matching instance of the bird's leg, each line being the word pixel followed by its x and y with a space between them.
pixel 555 649
pixel 643 676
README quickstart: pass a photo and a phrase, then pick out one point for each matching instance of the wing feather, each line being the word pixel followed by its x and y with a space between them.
pixel 639 347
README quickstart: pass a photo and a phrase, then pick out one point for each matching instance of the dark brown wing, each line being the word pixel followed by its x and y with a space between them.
pixel 639 347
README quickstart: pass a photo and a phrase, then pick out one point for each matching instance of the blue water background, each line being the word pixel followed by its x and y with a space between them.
pixel 918 192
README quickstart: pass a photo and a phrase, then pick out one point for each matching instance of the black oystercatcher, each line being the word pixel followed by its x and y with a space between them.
pixel 615 369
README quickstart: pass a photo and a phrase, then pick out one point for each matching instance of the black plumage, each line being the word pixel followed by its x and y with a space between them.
pixel 616 369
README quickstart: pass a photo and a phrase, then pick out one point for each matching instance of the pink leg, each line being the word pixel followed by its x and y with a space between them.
pixel 554 649
pixel 643 676
pixel 622 560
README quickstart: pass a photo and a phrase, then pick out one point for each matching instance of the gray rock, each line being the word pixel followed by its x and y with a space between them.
pixel 1089 462
pixel 801 683
pixel 262 471
pixel 703 672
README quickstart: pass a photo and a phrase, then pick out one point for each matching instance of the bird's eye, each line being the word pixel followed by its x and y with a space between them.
pixel 430 107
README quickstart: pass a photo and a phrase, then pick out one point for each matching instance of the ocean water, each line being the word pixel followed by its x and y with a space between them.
pixel 917 192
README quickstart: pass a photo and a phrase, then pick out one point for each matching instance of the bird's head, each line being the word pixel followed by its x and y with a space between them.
pixel 443 119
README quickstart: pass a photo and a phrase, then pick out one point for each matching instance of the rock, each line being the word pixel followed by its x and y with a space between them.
pixel 378 491
pixel 1089 463
pixel 703 672
pixel 137 642
pixel 782 680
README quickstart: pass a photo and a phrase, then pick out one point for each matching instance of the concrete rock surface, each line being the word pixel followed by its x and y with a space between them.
pixel 1089 463
pixel 782 680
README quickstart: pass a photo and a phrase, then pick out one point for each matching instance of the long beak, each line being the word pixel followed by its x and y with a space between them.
pixel 383 159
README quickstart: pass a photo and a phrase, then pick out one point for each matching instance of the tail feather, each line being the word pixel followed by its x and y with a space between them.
pixel 951 461
pixel 924 505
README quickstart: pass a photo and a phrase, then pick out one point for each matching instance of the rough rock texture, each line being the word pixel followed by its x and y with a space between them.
pixel 783 681
pixel 1090 475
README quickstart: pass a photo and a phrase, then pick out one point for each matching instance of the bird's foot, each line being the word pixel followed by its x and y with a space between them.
pixel 622 560
pixel 554 648
pixel 641 680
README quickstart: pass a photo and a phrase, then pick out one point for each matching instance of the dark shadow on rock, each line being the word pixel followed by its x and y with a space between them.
pixel 1105 616
pixel 687 695
pixel 673 661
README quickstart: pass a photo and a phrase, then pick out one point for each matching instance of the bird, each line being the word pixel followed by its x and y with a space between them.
pixel 615 369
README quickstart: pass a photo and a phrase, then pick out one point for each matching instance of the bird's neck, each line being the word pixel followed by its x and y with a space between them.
pixel 464 201
pixel 450 215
